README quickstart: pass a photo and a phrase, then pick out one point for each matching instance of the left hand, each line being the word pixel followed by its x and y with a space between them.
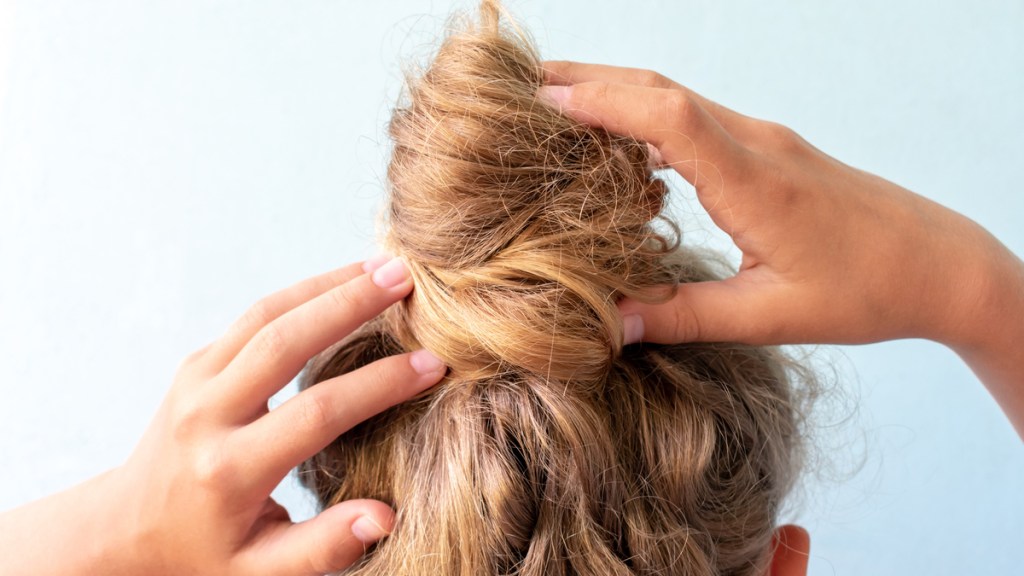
pixel 198 486
pixel 194 497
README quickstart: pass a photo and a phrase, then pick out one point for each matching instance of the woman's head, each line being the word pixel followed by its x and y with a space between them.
pixel 550 448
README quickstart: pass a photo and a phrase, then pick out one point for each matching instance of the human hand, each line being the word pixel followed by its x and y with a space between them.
pixel 831 254
pixel 194 497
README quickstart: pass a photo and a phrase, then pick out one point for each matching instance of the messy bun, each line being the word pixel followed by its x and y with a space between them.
pixel 521 226
pixel 550 448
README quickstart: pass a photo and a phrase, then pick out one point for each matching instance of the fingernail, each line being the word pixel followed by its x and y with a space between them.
pixel 377 261
pixel 391 274
pixel 424 362
pixel 556 96
pixel 367 530
pixel 633 329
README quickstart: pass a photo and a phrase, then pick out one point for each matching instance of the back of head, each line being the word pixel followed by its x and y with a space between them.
pixel 550 448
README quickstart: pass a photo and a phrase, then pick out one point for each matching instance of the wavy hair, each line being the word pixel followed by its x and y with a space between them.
pixel 550 448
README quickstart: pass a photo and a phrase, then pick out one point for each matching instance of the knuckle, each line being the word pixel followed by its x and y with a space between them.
pixel 347 298
pixel 587 93
pixel 680 109
pixel 189 418
pixel 270 342
pixel 780 137
pixel 778 184
pixel 388 374
pixel 212 468
pixel 652 79
pixel 315 410
pixel 686 325
pixel 385 381
pixel 259 314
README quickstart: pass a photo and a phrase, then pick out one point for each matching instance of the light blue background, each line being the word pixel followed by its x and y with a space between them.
pixel 164 164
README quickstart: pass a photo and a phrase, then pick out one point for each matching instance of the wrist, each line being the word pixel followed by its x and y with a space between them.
pixel 114 541
pixel 990 343
pixel 104 543
pixel 988 304
pixel 71 532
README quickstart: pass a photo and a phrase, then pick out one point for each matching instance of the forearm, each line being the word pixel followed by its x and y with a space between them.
pixel 993 345
pixel 65 533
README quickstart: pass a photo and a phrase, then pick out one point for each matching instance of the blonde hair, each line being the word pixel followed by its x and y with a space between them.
pixel 550 448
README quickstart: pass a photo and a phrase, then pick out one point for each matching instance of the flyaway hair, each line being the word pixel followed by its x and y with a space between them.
pixel 550 448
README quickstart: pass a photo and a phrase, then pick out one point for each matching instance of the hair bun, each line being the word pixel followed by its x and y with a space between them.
pixel 521 226
pixel 546 452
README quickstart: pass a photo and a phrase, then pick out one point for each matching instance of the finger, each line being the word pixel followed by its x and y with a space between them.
pixel 792 549
pixel 689 139
pixel 279 350
pixel 326 543
pixel 668 119
pixel 719 311
pixel 566 73
pixel 270 308
pixel 302 426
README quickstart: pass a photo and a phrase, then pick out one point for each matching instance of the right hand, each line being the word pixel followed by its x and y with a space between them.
pixel 831 254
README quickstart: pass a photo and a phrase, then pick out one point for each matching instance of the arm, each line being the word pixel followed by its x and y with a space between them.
pixel 992 341
pixel 831 254
pixel 194 496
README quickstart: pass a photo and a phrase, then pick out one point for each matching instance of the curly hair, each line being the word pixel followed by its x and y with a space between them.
pixel 550 448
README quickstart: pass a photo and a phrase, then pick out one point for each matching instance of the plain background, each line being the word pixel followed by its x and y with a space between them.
pixel 165 164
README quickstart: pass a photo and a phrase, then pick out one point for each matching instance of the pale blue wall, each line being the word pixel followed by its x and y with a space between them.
pixel 164 164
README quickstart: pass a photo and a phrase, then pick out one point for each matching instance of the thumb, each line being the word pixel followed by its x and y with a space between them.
pixel 332 540
pixel 715 311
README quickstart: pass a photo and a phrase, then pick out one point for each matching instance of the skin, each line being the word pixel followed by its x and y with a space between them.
pixel 194 496
pixel 830 254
